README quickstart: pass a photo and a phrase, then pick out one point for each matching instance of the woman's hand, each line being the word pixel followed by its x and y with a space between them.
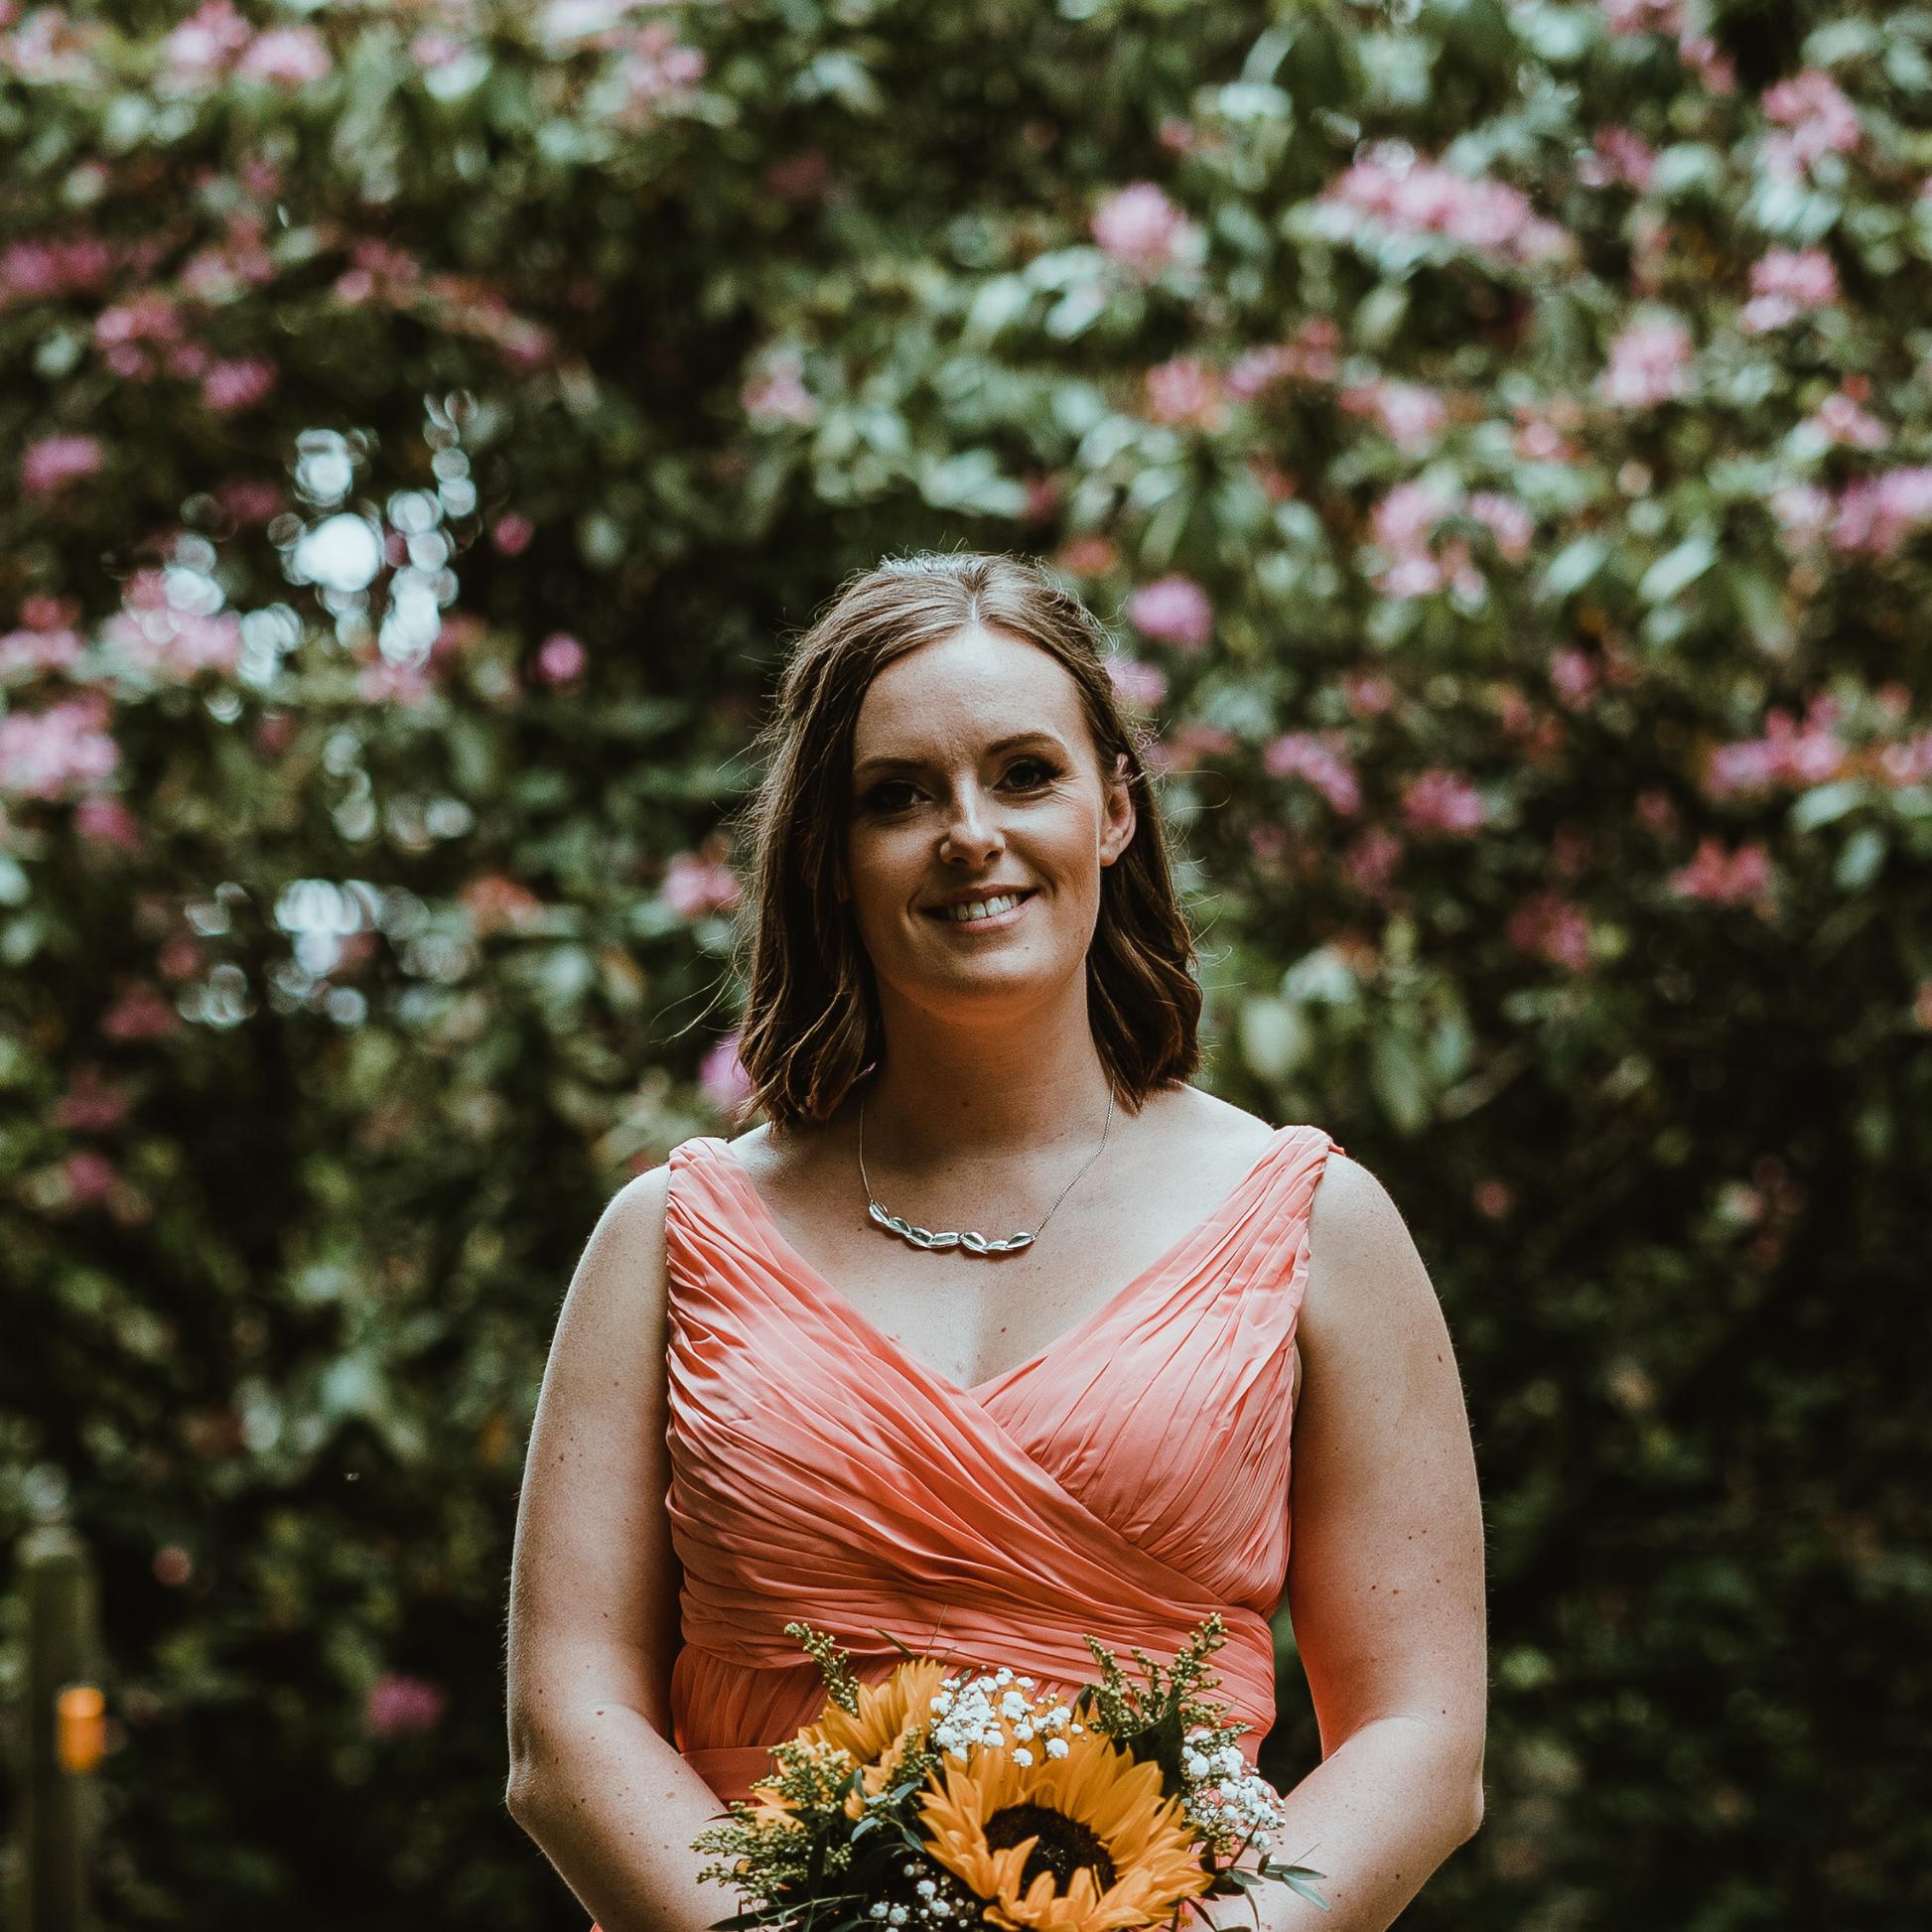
pixel 1385 1582
pixel 594 1777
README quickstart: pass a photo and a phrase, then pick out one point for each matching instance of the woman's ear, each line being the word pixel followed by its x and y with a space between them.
pixel 1118 826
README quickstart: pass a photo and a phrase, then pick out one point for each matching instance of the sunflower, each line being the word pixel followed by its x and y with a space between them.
pixel 876 1736
pixel 1084 1842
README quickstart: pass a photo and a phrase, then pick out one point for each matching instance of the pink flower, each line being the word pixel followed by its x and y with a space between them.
pixel 1876 514
pixel 511 534
pixel 1392 190
pixel 1443 802
pixel 1408 415
pixel 723 1081
pixel 1300 754
pixel 1648 364
pixel 43 271
pixel 1172 610
pixel 58 751
pixel 106 821
pixel 91 1105
pixel 1508 523
pixel 1548 927
pixel 779 396
pixel 1785 284
pixel 1140 687
pixel 1574 677
pixel 1143 231
pixel 436 50
pixel 139 1014
pixel 496 903
pixel 801 177
pixel 29 653
pixel 1404 524
pixel 207 40
pixel 1656 815
pixel 250 500
pixel 1797 756
pixel 161 637
pixel 57 461
pixel 398 1705
pixel 1309 358
pixel 230 387
pixel 1367 695
pixel 694 886
pixel 561 658
pixel 1192 743
pixel 291 57
pixel 1373 862
pixel 1184 391
pixel 1840 421
pixel 1821 121
pixel 91 1179
pixel 383 680
pixel 237 263
pixel 1493 1199
pixel 145 317
pixel 1620 159
pixel 1804 514
pixel 1908 763
pixel 658 65
pixel 1643 16
pixel 1716 877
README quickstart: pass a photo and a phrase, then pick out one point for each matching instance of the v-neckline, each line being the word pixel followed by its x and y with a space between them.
pixel 841 1307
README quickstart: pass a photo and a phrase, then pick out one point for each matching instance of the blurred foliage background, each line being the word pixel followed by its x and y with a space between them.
pixel 1502 436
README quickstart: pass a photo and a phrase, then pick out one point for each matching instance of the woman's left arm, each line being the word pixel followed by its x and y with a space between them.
pixel 1385 1583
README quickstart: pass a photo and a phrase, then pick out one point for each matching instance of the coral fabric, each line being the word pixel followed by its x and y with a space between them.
pixel 1125 1482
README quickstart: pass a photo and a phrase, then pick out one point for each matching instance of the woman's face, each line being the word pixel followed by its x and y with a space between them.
pixel 981 821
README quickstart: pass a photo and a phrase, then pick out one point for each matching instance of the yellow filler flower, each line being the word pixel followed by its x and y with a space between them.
pixel 1083 1843
pixel 875 1737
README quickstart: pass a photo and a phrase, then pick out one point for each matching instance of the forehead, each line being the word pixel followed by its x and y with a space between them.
pixel 976 685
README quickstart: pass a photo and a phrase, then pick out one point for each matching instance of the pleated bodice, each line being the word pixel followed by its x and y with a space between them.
pixel 1125 1482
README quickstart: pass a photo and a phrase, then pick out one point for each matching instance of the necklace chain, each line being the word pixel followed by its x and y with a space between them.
pixel 970 1242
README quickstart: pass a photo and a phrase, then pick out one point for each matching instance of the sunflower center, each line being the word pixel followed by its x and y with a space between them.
pixel 1065 1845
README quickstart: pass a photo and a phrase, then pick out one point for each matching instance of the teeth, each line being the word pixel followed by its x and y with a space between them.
pixel 982 908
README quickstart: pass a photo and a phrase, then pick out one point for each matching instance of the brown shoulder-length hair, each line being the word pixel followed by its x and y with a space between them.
pixel 812 1022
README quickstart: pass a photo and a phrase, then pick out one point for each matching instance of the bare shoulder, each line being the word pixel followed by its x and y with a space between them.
pixel 623 1272
pixel 1351 1206
pixel 1361 1254
pixel 1207 1123
pixel 636 1212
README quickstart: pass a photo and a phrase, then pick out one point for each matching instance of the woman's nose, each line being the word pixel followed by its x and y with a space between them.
pixel 972 836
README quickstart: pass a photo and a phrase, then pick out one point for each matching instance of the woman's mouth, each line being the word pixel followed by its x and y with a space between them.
pixel 974 912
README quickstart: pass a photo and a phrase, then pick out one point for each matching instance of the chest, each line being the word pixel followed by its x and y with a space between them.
pixel 972 1319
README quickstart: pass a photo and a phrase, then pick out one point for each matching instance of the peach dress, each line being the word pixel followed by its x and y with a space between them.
pixel 1126 1482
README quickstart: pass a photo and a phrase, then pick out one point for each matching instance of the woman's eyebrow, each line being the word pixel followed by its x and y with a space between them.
pixel 886 763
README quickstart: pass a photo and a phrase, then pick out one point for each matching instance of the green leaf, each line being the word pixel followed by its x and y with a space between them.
pixel 1677 570
pixel 1573 566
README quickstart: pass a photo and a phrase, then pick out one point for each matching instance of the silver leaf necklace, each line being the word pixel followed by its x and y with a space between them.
pixel 973 1244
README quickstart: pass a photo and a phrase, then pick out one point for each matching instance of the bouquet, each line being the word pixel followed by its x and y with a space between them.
pixel 938 1800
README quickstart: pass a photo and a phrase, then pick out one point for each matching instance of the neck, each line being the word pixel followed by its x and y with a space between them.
pixel 1007 1084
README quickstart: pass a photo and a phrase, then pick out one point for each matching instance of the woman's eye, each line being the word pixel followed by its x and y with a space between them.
pixel 1031 774
pixel 892 795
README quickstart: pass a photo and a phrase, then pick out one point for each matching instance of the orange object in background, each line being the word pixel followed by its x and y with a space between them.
pixel 81 1726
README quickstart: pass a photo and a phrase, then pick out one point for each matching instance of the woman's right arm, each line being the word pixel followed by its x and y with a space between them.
pixel 594 1612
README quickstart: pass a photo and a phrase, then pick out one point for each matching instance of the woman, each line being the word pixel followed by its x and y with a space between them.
pixel 773 1395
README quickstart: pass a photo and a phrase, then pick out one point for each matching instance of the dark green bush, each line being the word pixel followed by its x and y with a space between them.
pixel 1502 436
